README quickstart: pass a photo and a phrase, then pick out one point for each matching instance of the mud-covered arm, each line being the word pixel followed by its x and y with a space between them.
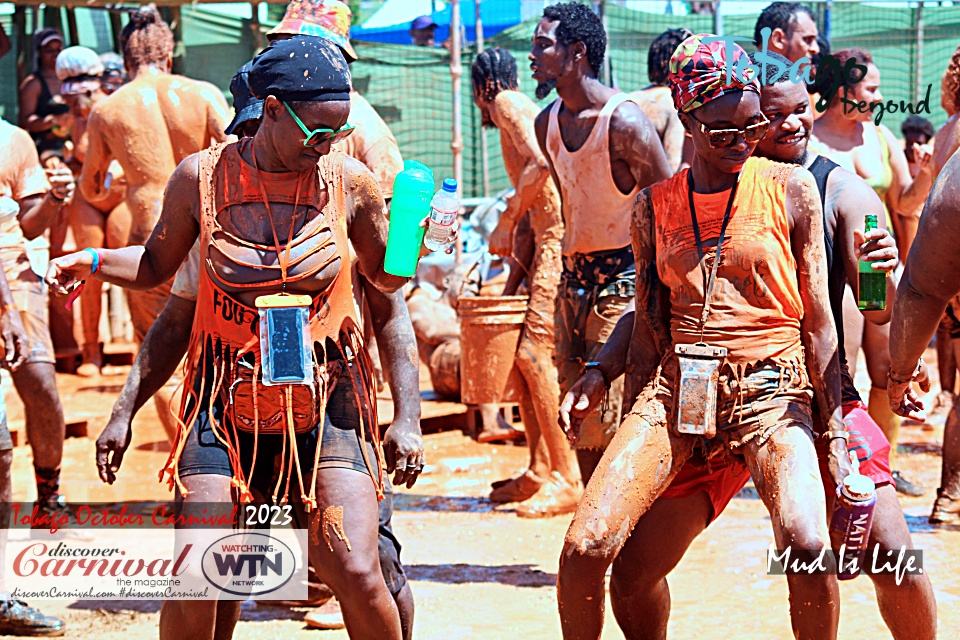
pixel 367 225
pixel 932 274
pixel 945 144
pixel 852 199
pixel 651 329
pixel 817 330
pixel 97 161
pixel 164 345
pixel 906 194
pixel 398 349
pixel 162 350
pixel 540 129
pixel 403 441
pixel 535 172
pixel 144 267
pixel 632 327
pixel 634 140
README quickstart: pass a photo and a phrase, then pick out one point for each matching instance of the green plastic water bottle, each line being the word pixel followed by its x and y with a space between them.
pixel 412 191
pixel 872 292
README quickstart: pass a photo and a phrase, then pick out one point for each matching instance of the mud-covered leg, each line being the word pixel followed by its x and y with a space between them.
pixel 639 594
pixel 908 608
pixel 787 477
pixel 200 619
pixel 638 465
pixel 344 551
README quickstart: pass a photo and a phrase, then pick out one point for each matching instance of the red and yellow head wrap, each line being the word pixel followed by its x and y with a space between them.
pixel 703 71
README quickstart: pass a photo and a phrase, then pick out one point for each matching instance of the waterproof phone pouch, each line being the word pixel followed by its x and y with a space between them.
pixel 697 389
pixel 286 350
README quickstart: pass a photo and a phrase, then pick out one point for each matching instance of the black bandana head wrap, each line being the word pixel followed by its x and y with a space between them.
pixel 301 69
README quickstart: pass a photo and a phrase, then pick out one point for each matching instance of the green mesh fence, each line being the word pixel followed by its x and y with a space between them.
pixel 411 86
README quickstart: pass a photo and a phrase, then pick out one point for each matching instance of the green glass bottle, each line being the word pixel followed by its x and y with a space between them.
pixel 872 294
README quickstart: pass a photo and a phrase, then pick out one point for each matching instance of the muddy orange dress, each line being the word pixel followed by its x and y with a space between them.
pixel 228 417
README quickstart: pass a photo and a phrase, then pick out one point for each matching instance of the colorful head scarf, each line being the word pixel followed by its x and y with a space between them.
pixel 322 18
pixel 703 71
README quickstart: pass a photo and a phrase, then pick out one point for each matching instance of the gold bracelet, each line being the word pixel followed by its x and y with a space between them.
pixel 8 307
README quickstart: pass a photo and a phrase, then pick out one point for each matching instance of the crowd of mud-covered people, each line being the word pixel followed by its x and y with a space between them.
pixel 720 209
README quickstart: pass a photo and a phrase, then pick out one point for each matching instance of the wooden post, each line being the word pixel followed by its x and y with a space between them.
pixel 52 18
pixel 116 26
pixel 607 73
pixel 918 61
pixel 484 146
pixel 179 49
pixel 72 27
pixel 258 39
pixel 456 71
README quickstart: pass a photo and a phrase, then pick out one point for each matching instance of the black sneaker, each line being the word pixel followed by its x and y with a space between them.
pixel 18 619
pixel 906 487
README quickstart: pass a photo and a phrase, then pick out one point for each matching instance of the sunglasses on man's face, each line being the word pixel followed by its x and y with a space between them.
pixel 318 137
pixel 723 138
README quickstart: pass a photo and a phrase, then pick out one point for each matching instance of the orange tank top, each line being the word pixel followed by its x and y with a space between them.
pixel 755 310
pixel 226 332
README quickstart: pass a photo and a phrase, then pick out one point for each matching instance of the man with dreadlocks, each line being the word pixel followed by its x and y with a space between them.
pixel 149 126
pixel 554 478
pixel 602 150
pixel 655 99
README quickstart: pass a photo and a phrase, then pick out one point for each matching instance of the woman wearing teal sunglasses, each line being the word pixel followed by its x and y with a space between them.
pixel 275 214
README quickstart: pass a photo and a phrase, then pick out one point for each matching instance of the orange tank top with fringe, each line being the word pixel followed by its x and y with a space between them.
pixel 756 308
pixel 225 334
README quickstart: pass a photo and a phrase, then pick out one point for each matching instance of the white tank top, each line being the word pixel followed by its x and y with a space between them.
pixel 596 215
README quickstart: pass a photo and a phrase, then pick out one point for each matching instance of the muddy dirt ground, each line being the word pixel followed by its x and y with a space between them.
pixel 481 572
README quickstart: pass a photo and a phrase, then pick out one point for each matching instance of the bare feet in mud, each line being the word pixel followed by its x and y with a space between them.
pixel 508 434
pixel 328 616
pixel 516 489
pixel 556 497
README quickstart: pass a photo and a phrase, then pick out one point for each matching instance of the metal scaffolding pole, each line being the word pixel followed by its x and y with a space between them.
pixel 918 62
pixel 484 146
pixel 456 71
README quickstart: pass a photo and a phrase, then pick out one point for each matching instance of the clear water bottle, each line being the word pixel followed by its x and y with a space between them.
pixel 444 209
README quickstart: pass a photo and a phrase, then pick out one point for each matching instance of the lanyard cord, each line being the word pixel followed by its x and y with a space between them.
pixel 708 283
pixel 283 257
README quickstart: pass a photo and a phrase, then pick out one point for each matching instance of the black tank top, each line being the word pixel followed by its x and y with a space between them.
pixel 821 168
pixel 47 140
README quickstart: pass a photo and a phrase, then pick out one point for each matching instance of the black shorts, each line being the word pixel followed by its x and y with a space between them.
pixel 204 454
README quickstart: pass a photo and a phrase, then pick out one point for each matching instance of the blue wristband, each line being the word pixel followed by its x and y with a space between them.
pixel 96 260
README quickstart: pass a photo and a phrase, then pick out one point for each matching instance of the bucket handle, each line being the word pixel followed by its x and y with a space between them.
pixel 466 277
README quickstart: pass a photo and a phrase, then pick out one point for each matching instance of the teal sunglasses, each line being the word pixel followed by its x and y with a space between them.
pixel 318 137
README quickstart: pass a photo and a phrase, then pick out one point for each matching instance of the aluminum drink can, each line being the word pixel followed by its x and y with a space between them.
pixel 851 522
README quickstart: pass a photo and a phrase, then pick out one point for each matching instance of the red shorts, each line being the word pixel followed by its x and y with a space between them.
pixel 725 478
pixel 866 438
